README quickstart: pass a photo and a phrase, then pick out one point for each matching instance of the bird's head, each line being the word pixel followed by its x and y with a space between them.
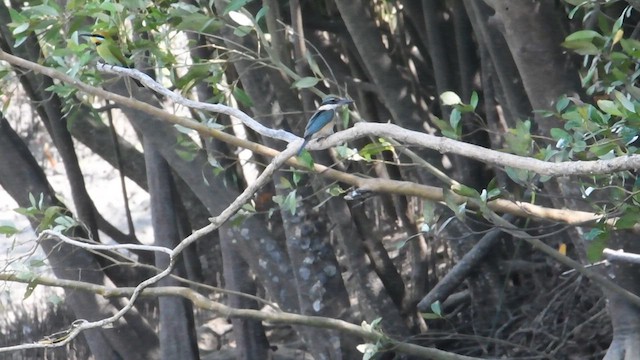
pixel 332 102
pixel 98 37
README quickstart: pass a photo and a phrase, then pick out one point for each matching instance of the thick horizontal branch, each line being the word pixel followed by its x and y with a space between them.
pixel 621 256
pixel 278 317
pixel 484 155
pixel 521 209
pixel 409 137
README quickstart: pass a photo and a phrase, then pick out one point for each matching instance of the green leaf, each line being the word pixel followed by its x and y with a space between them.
pixel 372 149
pixel 582 47
pixel 335 190
pixel 519 176
pixel 628 220
pixel 436 307
pixel 376 323
pixel 50 214
pixel 305 82
pixel 195 74
pixel 235 5
pixel 288 203
pixel 464 190
pixel 25 211
pixel 593 234
pixel 30 287
pixel 183 129
pixel 45 10
pixel 296 177
pixel 186 155
pixel 430 316
pixel 454 120
pixel 609 107
pixel 604 150
pixel 618 24
pixel 631 47
pixel 562 103
pixel 429 211
pixel 8 230
pixel 284 183
pixel 445 128
pixel 626 103
pixel 453 203
pixel 493 190
pixel 55 299
pixel 242 97
pixel 262 12
pixel 198 22
pixel 560 134
pixel 313 64
pixel 241 31
pixel 583 35
pixel 21 28
pixel 248 207
pixel 238 219
pixel 17 17
pixel 36 263
pixel 519 140
pixel 474 100
pixel 595 247
pixel 306 159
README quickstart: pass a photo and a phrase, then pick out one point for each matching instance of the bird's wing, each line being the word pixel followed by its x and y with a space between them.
pixel 319 120
pixel 117 53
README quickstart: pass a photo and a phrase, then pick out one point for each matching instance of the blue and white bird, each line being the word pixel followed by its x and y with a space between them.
pixel 321 123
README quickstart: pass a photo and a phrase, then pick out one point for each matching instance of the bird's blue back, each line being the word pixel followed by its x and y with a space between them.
pixel 319 120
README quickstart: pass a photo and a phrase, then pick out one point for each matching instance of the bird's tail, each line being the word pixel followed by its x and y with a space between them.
pixel 306 141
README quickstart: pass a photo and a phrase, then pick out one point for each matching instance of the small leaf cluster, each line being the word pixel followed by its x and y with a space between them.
pixel 605 124
pixel 453 128
pixel 52 217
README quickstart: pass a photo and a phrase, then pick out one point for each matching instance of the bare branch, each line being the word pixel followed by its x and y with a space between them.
pixel 216 108
pixel 621 255
pixel 443 145
pixel 488 156
pixel 203 302
pixel 392 131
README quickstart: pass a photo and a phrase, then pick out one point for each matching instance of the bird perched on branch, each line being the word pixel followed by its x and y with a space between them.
pixel 321 123
pixel 107 48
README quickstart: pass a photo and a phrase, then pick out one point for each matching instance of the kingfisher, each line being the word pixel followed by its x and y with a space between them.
pixel 321 123
pixel 107 48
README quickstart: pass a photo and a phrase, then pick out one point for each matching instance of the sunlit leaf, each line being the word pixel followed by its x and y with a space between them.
pixel 450 98
pixel 305 82
pixel 583 35
pixel 240 18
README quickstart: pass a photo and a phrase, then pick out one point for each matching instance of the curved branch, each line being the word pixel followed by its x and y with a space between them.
pixel 203 302
pixel 81 325
pixel 488 156
pixel 443 145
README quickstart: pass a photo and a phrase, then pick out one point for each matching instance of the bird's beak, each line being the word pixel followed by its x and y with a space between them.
pixel 345 102
pixel 94 38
